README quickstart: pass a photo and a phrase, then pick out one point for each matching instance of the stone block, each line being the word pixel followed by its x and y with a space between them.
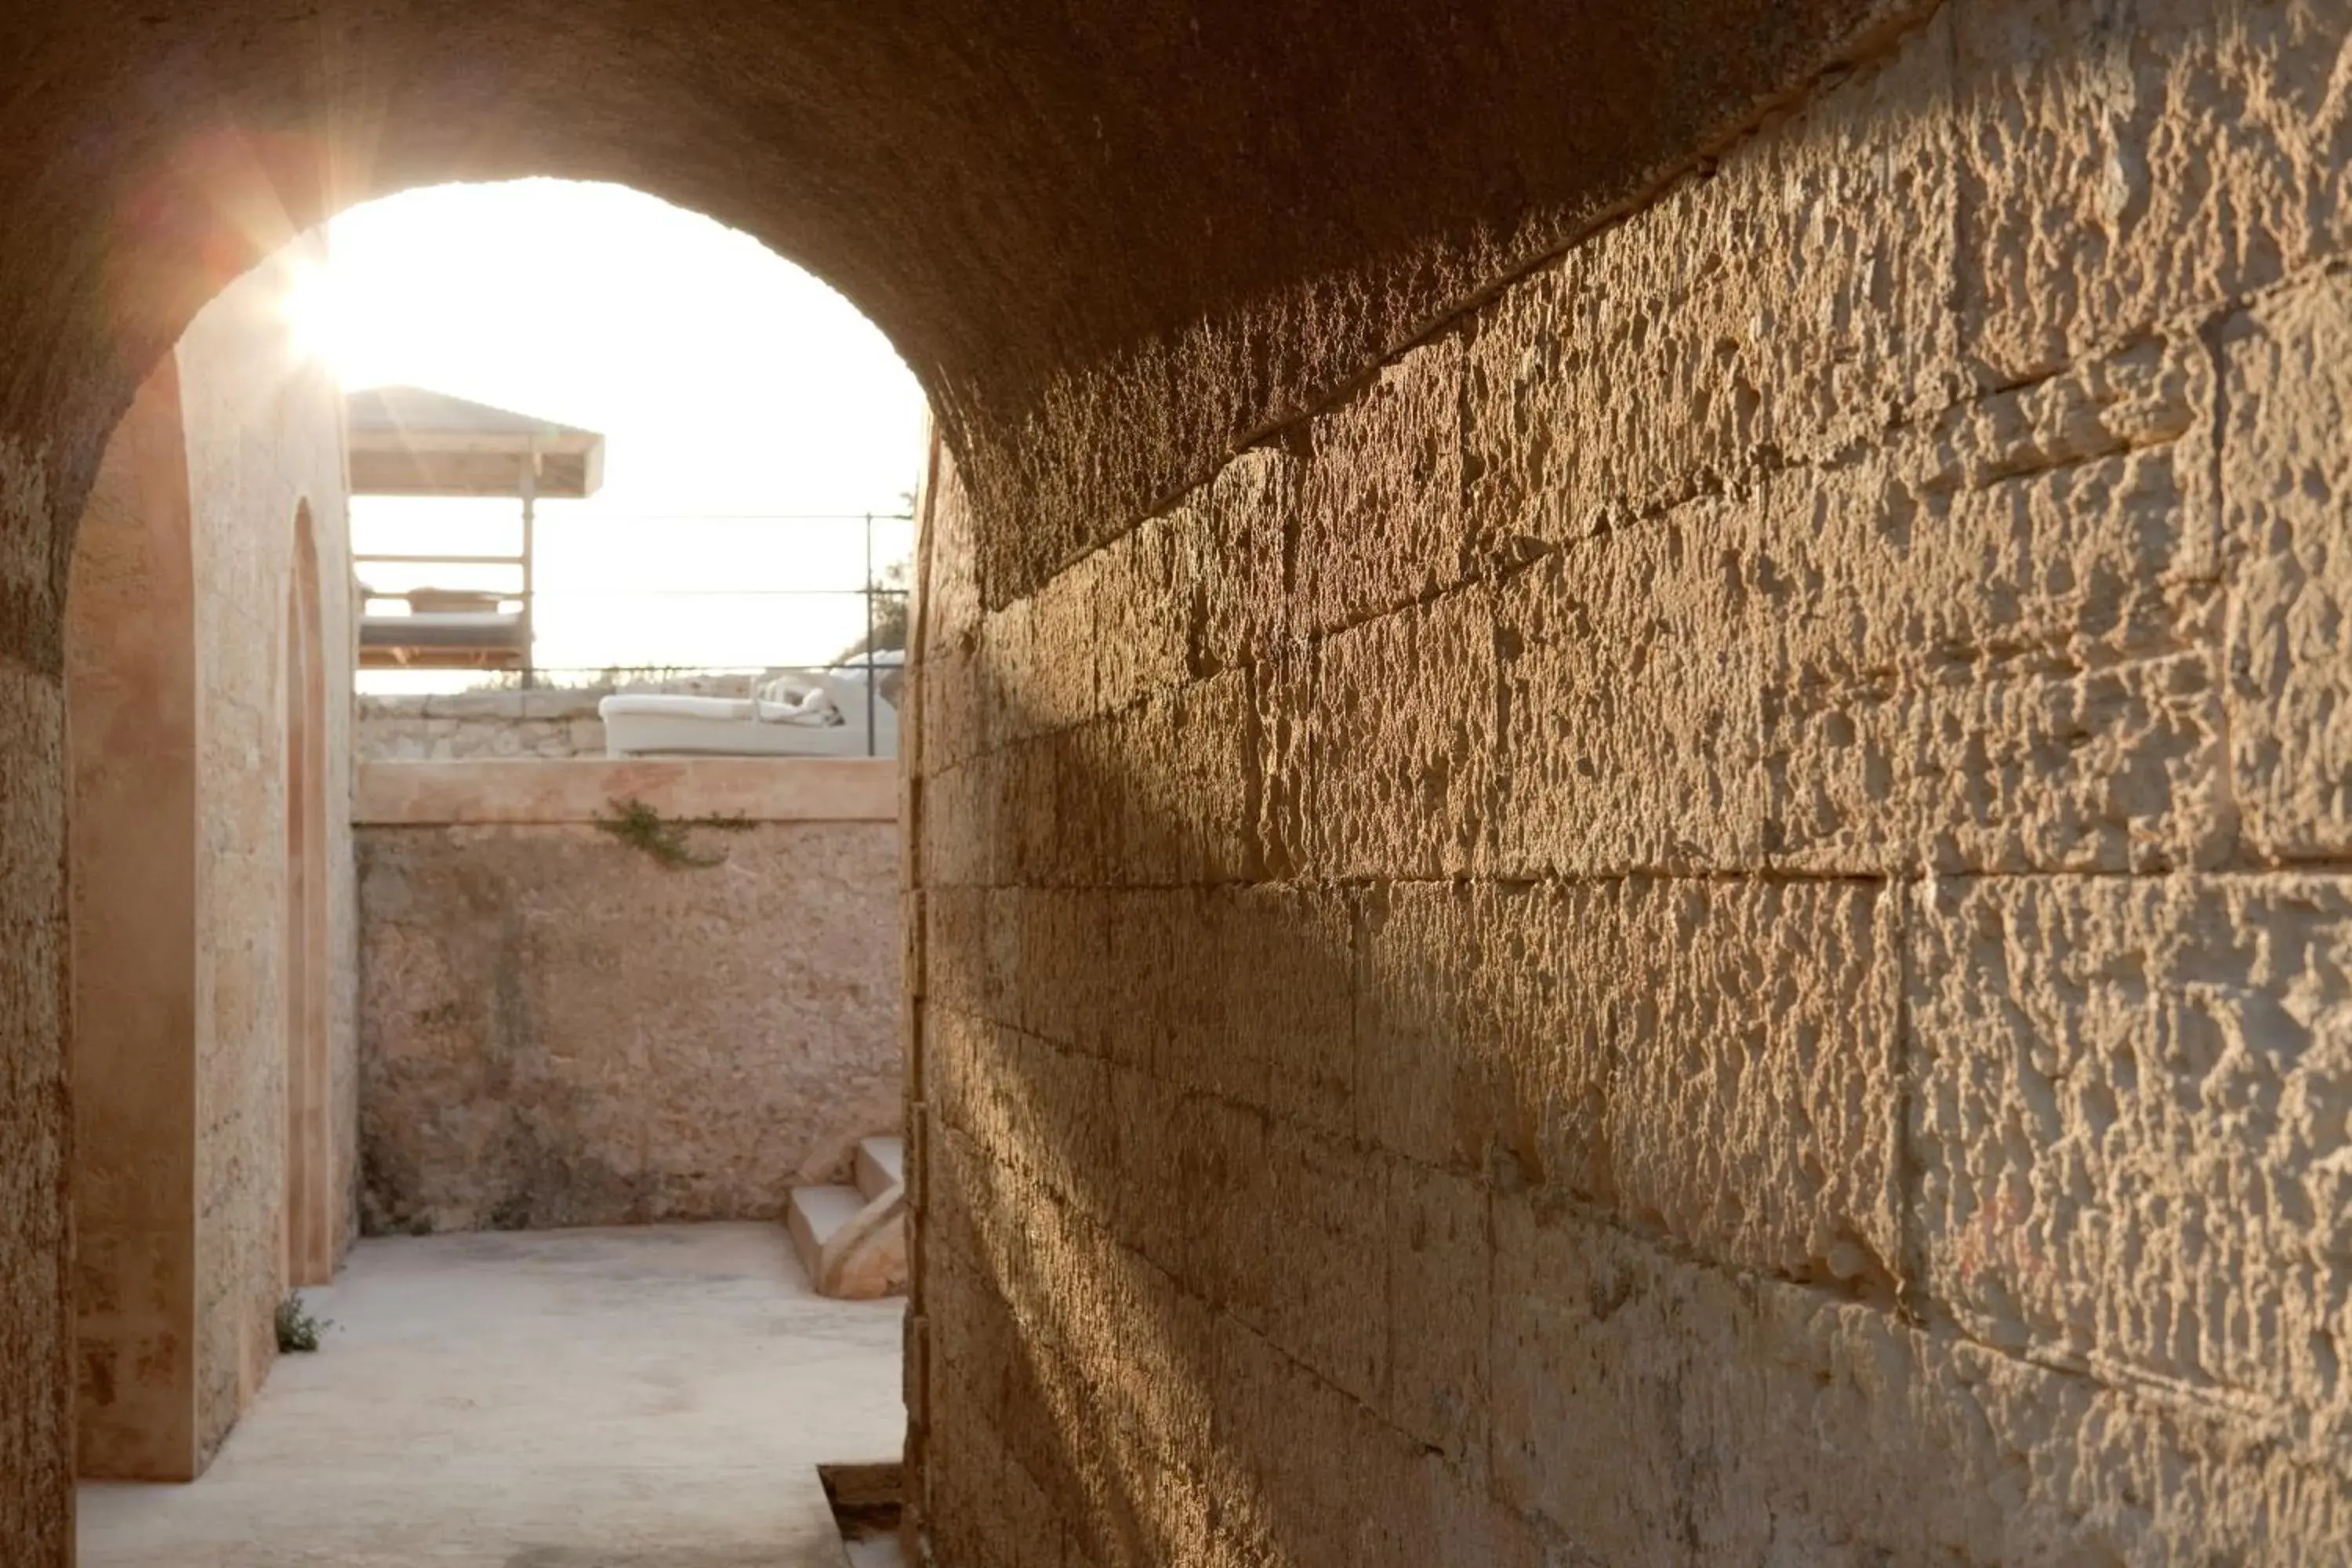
pixel 1134 1506
pixel 963 1474
pixel 1036 1108
pixel 1076 827
pixel 954 711
pixel 2124 164
pixel 2044 764
pixel 1380 516
pixel 1709 1058
pixel 961 827
pixel 35 562
pixel 1178 771
pixel 1031 820
pixel 1477 1050
pixel 1033 1522
pixel 952 1221
pixel 1144 993
pixel 1235 553
pixel 1062 1123
pixel 1055 963
pixel 33 1069
pixel 1312 1275
pixel 552 704
pixel 1753 1102
pixel 957 1048
pixel 1631 719
pixel 1153 1356
pixel 947 599
pixel 1193 1180
pixel 1306 1474
pixel 959 971
pixel 1791 299
pixel 1649 1409
pixel 1290 737
pixel 32 795
pixel 1039 657
pixel 1243 992
pixel 1144 590
pixel 1441 1260
pixel 1989 644
pixel 1293 959
pixel 2129 1128
pixel 2287 465
pixel 1400 744
pixel 449 707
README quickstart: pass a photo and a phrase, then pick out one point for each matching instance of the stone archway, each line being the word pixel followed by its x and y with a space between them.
pixel 132 693
pixel 1820 583
pixel 1107 276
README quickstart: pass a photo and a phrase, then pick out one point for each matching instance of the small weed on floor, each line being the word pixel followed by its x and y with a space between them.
pixel 298 1330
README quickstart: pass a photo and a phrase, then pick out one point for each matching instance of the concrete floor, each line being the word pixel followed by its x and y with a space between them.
pixel 649 1398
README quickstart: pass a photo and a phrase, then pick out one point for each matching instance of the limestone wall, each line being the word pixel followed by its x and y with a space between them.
pixel 37 1293
pixel 264 439
pixel 1709 924
pixel 559 1028
pixel 481 724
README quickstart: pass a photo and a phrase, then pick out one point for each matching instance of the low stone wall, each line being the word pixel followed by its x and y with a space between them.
pixel 560 1025
pixel 481 724
pixel 546 722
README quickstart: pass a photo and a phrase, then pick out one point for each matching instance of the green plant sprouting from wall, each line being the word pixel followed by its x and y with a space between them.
pixel 667 839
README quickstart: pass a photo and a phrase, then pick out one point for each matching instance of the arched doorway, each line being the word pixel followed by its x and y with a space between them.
pixel 131 858
pixel 310 1164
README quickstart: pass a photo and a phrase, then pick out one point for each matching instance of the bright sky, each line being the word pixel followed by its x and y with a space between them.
pixel 726 381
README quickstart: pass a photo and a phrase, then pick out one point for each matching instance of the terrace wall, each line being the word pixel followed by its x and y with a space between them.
pixel 560 1027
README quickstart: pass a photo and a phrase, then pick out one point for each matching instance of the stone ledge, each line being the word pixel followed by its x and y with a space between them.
pixel 533 790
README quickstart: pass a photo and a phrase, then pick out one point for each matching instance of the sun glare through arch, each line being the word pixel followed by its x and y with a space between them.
pixel 730 385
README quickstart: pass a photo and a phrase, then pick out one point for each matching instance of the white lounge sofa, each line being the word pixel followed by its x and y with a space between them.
pixel 821 713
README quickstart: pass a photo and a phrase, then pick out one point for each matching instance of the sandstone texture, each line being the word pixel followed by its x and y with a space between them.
pixel 1703 922
pixel 131 686
pixel 265 441
pixel 1623 801
pixel 559 1030
pixel 180 659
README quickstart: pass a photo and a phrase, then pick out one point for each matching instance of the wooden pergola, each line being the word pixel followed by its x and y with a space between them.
pixel 408 442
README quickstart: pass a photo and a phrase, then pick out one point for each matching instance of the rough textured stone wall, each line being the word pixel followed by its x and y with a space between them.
pixel 264 437
pixel 1709 924
pixel 559 1030
pixel 36 1297
pixel 1102 321
pixel 474 724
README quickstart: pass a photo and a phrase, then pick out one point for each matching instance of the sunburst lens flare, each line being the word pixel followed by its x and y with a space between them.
pixel 318 319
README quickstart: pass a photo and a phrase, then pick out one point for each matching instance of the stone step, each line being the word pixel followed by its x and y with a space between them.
pixel 852 1246
pixel 816 1216
pixel 881 1165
